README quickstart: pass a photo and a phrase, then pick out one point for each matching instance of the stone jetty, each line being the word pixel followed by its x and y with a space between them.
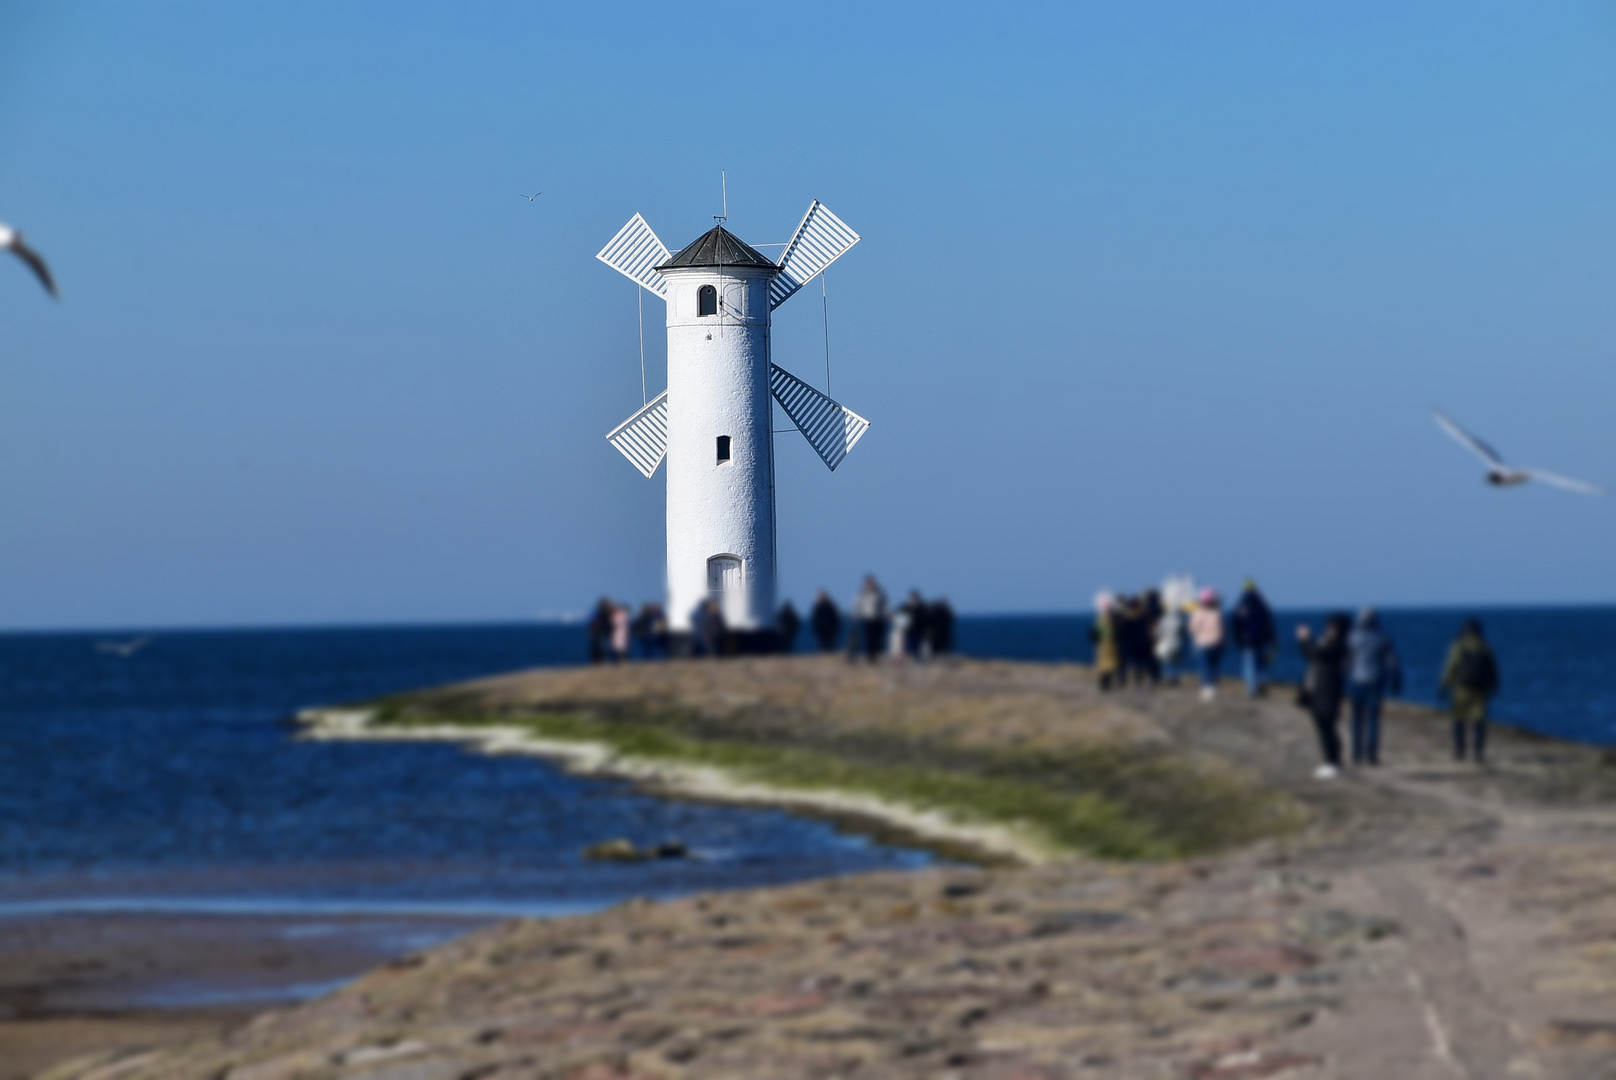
pixel 1159 889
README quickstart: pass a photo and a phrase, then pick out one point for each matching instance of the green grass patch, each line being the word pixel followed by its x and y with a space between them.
pixel 1119 802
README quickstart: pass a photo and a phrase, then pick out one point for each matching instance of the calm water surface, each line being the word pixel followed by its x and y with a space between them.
pixel 169 777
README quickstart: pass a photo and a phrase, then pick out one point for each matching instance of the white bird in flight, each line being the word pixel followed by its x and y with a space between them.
pixel 1501 475
pixel 11 240
pixel 535 195
pixel 124 649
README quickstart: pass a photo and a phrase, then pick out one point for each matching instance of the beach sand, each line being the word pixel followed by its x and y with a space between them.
pixel 1424 919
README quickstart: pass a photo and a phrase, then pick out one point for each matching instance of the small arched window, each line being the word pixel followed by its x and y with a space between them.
pixel 706 301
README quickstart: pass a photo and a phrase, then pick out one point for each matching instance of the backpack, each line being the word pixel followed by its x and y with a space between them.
pixel 1475 671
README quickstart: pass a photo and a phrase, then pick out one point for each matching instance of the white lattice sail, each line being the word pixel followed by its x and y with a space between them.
pixel 820 240
pixel 831 428
pixel 643 437
pixel 635 252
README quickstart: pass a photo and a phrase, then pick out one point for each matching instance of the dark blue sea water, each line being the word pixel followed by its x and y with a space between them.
pixel 169 777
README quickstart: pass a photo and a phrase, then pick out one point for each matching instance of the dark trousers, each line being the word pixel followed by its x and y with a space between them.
pixel 1479 742
pixel 1329 738
pixel 1365 724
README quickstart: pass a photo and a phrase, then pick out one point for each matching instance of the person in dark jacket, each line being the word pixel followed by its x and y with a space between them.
pixel 1373 671
pixel 788 623
pixel 1251 624
pixel 940 621
pixel 915 630
pixel 1323 685
pixel 600 630
pixel 826 619
pixel 1470 679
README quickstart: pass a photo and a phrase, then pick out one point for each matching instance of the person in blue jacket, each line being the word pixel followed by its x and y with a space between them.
pixel 1373 673
pixel 1252 627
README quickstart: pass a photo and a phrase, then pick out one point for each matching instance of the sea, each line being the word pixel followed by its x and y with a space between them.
pixel 157 771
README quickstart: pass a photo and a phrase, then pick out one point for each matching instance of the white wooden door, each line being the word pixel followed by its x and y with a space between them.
pixel 724 584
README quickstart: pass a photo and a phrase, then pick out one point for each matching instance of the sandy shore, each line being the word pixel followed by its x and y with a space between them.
pixel 1425 919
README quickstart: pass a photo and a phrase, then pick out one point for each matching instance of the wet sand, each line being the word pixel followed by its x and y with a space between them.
pixel 1428 920
pixel 78 983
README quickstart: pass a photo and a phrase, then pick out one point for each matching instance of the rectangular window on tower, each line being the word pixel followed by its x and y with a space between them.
pixel 723 449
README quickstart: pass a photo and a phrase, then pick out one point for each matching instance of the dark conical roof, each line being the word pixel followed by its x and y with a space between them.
pixel 718 247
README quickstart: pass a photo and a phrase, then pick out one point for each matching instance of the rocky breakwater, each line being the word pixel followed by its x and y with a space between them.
pixel 1423 920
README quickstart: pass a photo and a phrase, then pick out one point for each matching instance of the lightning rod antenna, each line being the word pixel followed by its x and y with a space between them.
pixel 723 180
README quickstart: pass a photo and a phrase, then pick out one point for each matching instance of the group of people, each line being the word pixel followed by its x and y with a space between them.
pixel 1154 636
pixel 616 633
pixel 916 628
pixel 1355 662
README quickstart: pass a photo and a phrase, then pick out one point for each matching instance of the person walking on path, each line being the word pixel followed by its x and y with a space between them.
pixel 1373 672
pixel 1206 630
pixel 1322 687
pixel 1470 679
pixel 789 623
pixel 870 611
pixel 1252 626
pixel 827 622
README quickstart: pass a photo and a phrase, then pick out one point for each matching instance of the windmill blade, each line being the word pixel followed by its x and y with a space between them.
pixel 643 437
pixel 1566 482
pixel 830 428
pixel 635 252
pixel 1469 441
pixel 820 240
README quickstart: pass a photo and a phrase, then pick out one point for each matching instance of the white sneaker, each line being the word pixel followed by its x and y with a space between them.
pixel 1208 693
pixel 1325 772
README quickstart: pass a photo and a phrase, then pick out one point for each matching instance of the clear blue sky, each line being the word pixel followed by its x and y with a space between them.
pixel 1143 288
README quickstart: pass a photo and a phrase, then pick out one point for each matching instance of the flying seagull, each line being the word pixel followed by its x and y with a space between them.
pixel 125 649
pixel 1501 475
pixel 535 195
pixel 11 239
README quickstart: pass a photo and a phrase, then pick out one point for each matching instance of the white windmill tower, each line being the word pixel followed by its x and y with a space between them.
pixel 713 423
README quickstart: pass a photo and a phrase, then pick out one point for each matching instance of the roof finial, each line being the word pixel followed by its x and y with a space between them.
pixel 723 180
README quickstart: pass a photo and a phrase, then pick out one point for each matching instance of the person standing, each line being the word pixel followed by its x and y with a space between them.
pixel 1470 679
pixel 600 630
pixel 788 623
pixel 1252 626
pixel 714 630
pixel 620 632
pixel 1373 671
pixel 1170 643
pixel 1103 634
pixel 917 631
pixel 1322 687
pixel 940 622
pixel 1206 631
pixel 827 622
pixel 870 611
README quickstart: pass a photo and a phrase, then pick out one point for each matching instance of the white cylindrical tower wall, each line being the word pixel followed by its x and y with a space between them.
pixel 718 387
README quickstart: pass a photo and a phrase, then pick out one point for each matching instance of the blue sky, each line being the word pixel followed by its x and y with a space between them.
pixel 1143 288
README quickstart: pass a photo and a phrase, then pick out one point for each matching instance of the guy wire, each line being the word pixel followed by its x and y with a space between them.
pixel 824 301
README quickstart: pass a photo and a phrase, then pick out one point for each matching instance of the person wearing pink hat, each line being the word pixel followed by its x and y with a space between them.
pixel 1206 630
